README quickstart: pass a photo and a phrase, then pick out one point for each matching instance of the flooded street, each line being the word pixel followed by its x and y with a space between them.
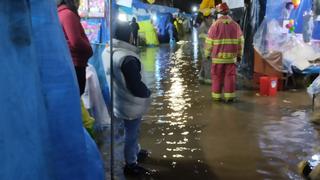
pixel 192 137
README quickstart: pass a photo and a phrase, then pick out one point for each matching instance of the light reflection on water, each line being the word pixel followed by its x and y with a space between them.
pixel 283 137
pixel 172 101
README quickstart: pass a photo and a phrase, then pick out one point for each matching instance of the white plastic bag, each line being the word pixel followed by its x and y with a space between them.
pixel 314 88
pixel 93 99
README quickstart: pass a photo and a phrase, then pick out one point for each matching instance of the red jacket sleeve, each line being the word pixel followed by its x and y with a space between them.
pixel 211 37
pixel 77 40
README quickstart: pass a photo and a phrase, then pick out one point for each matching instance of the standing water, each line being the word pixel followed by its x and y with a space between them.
pixel 191 137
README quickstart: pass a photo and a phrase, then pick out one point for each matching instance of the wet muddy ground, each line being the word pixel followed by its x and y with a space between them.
pixel 191 137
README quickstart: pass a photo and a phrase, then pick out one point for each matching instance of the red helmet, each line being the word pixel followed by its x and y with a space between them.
pixel 222 8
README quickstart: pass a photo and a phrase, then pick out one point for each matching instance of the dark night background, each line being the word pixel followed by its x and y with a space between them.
pixel 184 5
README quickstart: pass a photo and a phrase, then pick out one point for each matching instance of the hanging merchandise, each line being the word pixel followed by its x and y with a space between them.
pixel 92 30
pixel 296 3
pixel 290 26
pixel 92 8
pixel 297 14
pixel 83 9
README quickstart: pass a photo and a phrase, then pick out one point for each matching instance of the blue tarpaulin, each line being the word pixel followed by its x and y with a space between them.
pixel 297 14
pixel 41 132
pixel 165 27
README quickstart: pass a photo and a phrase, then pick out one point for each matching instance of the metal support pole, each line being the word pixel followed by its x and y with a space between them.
pixel 111 94
pixel 313 102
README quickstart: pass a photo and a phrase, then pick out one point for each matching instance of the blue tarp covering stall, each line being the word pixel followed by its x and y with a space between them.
pixel 41 132
pixel 297 14
pixel 165 27
pixel 275 11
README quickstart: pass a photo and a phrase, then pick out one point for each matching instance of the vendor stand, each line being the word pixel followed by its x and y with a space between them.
pixel 292 37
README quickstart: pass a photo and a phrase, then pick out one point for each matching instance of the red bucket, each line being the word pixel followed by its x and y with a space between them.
pixel 268 86
pixel 264 86
pixel 273 88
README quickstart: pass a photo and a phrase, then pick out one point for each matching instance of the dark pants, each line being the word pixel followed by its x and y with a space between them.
pixel 81 77
pixel 135 38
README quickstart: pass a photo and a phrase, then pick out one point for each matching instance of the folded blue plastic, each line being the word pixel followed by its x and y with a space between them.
pixel 41 133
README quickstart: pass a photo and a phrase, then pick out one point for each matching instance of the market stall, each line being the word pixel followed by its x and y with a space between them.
pixel 287 30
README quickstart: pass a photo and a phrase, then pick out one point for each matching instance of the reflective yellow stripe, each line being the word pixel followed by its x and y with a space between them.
pixel 226 42
pixel 223 61
pixel 224 21
pixel 229 95
pixel 242 45
pixel 227 21
pixel 227 55
pixel 241 39
pixel 216 95
pixel 209 41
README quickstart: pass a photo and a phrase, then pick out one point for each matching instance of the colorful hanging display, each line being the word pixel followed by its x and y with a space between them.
pixel 296 3
pixel 92 8
pixel 92 30
pixel 83 8
pixel 290 26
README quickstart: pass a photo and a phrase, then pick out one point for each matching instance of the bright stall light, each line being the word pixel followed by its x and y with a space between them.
pixel 315 157
pixel 122 17
pixel 194 8
pixel 154 17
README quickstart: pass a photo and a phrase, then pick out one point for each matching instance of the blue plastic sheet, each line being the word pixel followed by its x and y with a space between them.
pixel 96 62
pixel 41 133
pixel 297 15
pixel 316 30
pixel 154 8
pixel 274 9
pixel 165 27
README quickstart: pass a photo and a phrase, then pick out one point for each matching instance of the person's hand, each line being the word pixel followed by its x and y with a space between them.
pixel 238 59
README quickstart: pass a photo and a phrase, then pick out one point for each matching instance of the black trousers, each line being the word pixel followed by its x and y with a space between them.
pixel 81 77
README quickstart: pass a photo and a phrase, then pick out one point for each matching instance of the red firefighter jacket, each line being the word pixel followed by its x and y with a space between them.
pixel 225 41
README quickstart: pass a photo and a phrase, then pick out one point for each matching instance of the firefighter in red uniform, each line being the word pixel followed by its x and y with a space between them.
pixel 224 45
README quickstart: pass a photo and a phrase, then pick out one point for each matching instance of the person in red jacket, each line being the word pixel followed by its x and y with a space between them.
pixel 224 45
pixel 78 42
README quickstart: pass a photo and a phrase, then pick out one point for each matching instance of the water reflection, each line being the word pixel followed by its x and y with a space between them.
pixel 257 138
pixel 288 141
pixel 195 42
pixel 170 115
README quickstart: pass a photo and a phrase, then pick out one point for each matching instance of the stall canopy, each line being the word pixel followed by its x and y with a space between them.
pixel 164 26
pixel 278 34
pixel 297 14
pixel 148 33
